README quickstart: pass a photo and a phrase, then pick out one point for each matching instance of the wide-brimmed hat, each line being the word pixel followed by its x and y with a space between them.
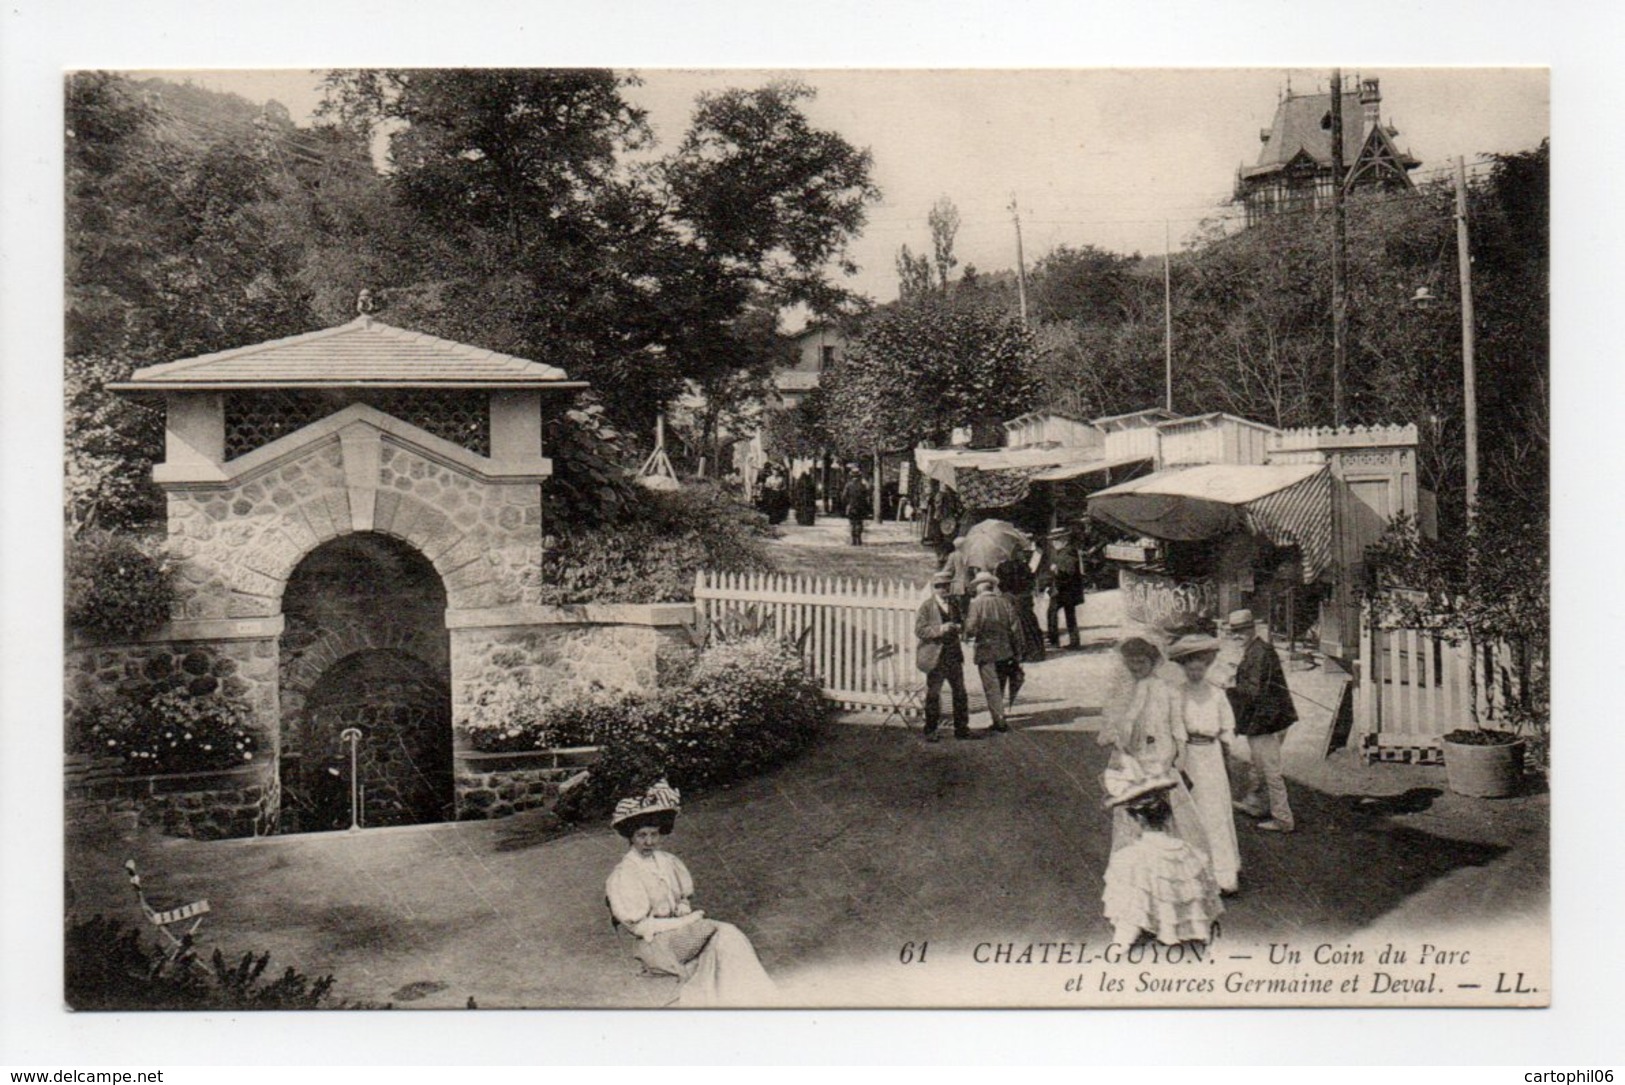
pixel 1128 780
pixel 986 576
pixel 941 576
pixel 658 806
pixel 1240 619
pixel 1192 644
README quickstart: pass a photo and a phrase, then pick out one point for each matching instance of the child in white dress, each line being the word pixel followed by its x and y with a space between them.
pixel 1158 888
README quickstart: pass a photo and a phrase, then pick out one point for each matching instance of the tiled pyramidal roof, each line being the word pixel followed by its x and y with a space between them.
pixel 362 352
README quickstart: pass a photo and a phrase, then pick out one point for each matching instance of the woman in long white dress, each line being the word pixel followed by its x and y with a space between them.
pixel 1150 730
pixel 1210 730
pixel 650 893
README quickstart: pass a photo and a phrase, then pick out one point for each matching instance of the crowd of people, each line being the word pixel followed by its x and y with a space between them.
pixel 1168 777
pixel 1174 844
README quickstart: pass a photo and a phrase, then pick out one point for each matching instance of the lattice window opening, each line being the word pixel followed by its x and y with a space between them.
pixel 255 419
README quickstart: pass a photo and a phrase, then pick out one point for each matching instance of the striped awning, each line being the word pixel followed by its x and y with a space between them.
pixel 1287 504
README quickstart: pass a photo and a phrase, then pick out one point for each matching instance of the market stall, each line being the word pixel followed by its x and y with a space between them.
pixel 1217 537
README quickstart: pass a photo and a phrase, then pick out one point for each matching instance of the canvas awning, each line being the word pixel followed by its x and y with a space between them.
pixel 1287 504
pixel 1042 464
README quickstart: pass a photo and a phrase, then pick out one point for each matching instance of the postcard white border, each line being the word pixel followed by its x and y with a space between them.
pixel 39 40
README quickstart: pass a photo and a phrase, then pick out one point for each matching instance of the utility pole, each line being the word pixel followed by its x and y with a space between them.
pixel 1021 262
pixel 1469 380
pixel 1167 317
pixel 1340 301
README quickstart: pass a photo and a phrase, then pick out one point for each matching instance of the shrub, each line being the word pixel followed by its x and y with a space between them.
pixel 517 715
pixel 651 551
pixel 171 731
pixel 747 706
pixel 109 968
pixel 115 586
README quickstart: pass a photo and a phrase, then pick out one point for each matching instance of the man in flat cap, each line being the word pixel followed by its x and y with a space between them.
pixel 992 625
pixel 937 627
pixel 1264 710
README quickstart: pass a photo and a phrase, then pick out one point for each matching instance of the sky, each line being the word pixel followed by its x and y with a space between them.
pixel 1117 158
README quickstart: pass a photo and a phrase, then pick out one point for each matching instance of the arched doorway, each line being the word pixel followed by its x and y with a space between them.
pixel 365 646
pixel 403 757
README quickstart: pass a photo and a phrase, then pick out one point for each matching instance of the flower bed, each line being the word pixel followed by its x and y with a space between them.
pixel 174 731
pixel 747 706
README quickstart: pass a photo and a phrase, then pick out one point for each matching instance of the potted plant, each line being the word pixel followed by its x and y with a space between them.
pixel 1486 586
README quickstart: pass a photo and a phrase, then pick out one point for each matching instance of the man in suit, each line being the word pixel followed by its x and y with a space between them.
pixel 992 624
pixel 857 502
pixel 1264 710
pixel 1062 575
pixel 937 627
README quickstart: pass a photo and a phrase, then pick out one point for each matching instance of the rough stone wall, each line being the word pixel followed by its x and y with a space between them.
pixel 198 806
pixel 243 669
pixel 496 793
pixel 554 657
pixel 238 543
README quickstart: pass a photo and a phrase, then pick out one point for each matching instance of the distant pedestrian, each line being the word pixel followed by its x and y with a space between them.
pixel 961 571
pixel 775 496
pixel 937 627
pixel 1263 708
pixel 992 625
pixel 857 502
pixel 804 496
pixel 1016 578
pixel 1062 574
pixel 1158 888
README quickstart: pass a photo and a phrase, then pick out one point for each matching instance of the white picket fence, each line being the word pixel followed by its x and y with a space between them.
pixel 1416 687
pixel 857 636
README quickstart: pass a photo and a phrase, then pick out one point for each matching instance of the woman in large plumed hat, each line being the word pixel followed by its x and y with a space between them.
pixel 650 893
pixel 1150 729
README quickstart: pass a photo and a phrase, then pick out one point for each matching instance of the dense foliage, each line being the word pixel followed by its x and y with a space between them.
pixel 651 550
pixel 1253 333
pixel 116 588
pixel 110 967
pixel 914 372
pixel 517 715
pixel 747 706
pixel 525 211
pixel 168 731
pixel 1488 585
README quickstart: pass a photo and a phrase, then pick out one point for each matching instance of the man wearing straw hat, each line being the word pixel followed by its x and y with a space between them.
pixel 1264 710
pixel 1062 576
pixel 937 626
pixel 992 625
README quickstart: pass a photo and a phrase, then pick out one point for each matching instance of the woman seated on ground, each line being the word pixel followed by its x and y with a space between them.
pixel 1210 729
pixel 1151 731
pixel 649 894
pixel 1158 888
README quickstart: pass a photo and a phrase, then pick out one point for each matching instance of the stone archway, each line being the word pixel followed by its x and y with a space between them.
pixel 364 645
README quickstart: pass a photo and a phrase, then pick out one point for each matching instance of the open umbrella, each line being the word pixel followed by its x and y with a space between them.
pixel 991 541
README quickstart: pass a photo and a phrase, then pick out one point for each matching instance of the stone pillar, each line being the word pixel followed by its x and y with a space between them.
pixel 194 429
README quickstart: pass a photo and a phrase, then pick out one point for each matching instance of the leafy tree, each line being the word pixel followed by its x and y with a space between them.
pixel 944 221
pixel 1084 284
pixel 173 249
pixel 914 372
pixel 730 394
pixel 913 275
pixel 541 237
pixel 798 432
